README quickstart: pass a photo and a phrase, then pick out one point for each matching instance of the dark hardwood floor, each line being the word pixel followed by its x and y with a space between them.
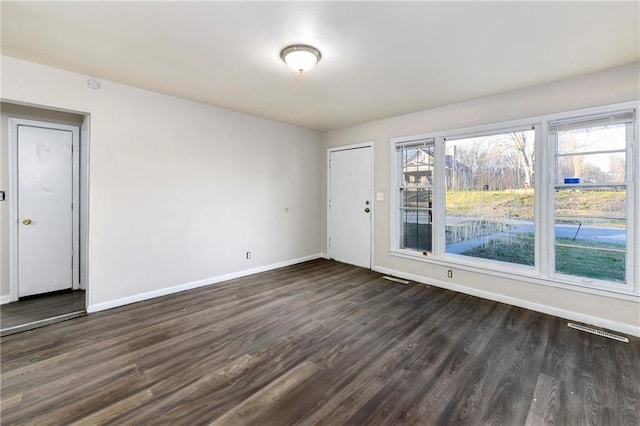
pixel 43 309
pixel 319 343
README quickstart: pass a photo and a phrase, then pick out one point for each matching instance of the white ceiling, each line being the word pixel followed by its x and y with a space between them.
pixel 379 59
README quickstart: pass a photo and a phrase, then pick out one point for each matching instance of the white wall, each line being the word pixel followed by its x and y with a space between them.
pixel 612 86
pixel 179 191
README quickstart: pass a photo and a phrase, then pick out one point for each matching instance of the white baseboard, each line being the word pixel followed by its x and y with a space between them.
pixel 194 284
pixel 5 299
pixel 538 307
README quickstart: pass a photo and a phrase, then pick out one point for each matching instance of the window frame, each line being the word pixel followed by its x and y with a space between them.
pixel 631 267
pixel 542 273
pixel 399 188
pixel 490 263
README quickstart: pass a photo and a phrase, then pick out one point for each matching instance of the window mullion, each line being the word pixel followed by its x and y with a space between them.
pixel 541 216
pixel 551 146
pixel 439 183
pixel 632 175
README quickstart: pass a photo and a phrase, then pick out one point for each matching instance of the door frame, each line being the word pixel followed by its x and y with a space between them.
pixel 13 124
pixel 371 195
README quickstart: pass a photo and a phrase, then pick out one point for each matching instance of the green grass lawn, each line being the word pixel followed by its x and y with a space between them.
pixel 588 263
pixel 518 203
pixel 488 209
pixel 600 264
pixel 517 248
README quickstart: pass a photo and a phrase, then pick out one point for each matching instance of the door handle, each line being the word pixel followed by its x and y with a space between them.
pixel 26 221
pixel 366 210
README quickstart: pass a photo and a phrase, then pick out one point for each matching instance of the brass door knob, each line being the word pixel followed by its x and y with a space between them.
pixel 26 221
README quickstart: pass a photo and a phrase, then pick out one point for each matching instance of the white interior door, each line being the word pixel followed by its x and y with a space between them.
pixel 46 195
pixel 350 205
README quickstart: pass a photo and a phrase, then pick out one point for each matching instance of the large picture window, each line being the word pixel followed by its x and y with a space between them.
pixel 490 197
pixel 551 199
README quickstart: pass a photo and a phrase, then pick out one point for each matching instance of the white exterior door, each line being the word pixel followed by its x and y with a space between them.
pixel 350 205
pixel 47 194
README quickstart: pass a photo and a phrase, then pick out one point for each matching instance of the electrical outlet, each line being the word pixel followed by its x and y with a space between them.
pixel 248 255
pixel 450 273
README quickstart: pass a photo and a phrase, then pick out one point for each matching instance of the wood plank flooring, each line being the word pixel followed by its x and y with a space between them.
pixel 319 343
pixel 40 308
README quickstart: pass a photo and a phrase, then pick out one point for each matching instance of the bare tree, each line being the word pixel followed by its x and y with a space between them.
pixel 525 153
pixel 616 165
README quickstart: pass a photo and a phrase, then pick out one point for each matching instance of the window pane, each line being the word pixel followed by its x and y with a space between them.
pixel 604 202
pixel 590 232
pixel 591 168
pixel 584 262
pixel 416 230
pixel 416 197
pixel 590 139
pixel 417 165
pixel 416 218
pixel 490 197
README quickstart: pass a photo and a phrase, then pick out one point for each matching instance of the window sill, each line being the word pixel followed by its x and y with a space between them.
pixel 521 273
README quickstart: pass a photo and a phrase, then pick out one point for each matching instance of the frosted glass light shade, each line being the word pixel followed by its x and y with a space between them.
pixel 300 57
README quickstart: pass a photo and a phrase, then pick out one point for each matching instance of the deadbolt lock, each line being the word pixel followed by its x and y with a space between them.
pixel 26 221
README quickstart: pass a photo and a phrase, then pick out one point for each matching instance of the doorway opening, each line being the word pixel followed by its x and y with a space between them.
pixel 43 218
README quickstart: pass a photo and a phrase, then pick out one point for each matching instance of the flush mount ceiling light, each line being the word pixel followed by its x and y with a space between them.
pixel 300 57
